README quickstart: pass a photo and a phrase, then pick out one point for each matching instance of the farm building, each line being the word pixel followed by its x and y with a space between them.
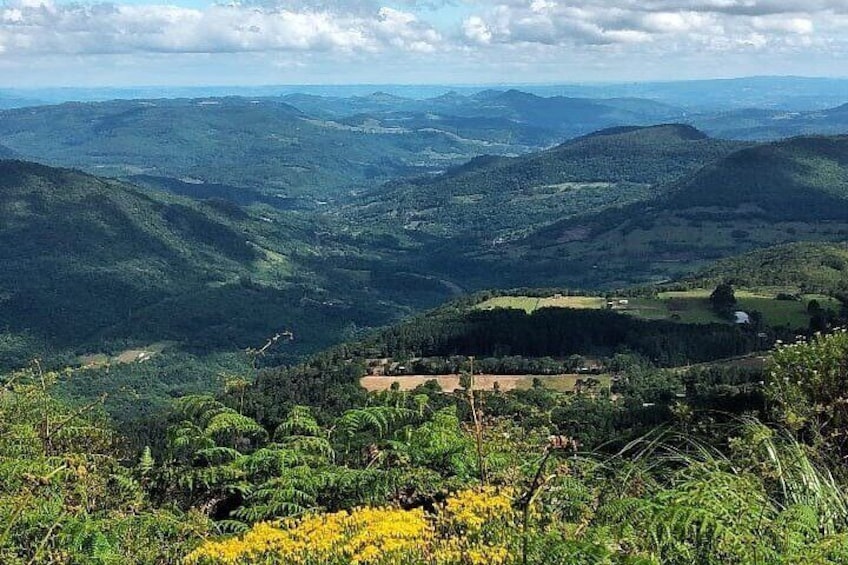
pixel 741 317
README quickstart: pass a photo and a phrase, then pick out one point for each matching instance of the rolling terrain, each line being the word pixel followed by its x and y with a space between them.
pixel 319 152
pixel 319 149
pixel 245 347
pixel 788 191
pixel 90 262
pixel 257 144
pixel 493 197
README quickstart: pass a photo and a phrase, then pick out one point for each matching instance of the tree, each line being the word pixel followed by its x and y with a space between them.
pixel 722 300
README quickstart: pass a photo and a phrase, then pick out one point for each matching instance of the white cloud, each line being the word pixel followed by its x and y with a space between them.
pixel 783 24
pixel 403 30
pixel 29 27
pixel 325 40
pixel 694 23
pixel 477 30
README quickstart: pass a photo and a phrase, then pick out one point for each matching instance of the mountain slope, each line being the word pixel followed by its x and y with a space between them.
pixel 772 194
pixel 261 144
pixel 499 197
pixel 801 178
pixel 87 260
pixel 811 267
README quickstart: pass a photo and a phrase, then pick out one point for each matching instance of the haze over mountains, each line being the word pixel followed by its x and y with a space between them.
pixel 793 93
pixel 306 146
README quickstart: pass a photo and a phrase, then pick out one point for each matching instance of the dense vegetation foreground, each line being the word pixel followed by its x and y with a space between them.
pixel 470 477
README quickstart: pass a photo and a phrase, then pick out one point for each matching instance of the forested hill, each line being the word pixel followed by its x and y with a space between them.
pixel 807 266
pixel 801 178
pixel 793 190
pixel 87 260
pixel 82 253
pixel 493 196
pixel 263 144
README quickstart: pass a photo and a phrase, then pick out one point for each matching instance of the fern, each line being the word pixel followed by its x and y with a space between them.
pixel 146 461
pixel 299 421
pixel 217 455
pixel 287 495
pixel 228 425
pixel 381 420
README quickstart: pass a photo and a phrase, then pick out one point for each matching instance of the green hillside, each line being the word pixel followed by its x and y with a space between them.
pixel 801 178
pixel 499 197
pixel 89 262
pixel 263 144
pixel 794 190
pixel 815 267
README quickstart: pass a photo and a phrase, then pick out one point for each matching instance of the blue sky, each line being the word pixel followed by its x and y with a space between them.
pixel 193 42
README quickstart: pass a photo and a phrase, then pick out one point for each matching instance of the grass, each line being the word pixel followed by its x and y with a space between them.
pixel 688 307
pixel 529 304
pixel 559 383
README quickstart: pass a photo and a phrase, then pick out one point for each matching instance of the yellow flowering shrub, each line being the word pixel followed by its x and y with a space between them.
pixel 476 527
pixel 473 527
pixel 469 510
pixel 362 537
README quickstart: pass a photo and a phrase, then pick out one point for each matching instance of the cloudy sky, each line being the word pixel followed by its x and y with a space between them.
pixel 197 42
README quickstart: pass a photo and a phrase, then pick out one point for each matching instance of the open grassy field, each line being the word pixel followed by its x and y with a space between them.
pixel 529 303
pixel 124 357
pixel 688 307
pixel 449 383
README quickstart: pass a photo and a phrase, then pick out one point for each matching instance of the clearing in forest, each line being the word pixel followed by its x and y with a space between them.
pixel 688 307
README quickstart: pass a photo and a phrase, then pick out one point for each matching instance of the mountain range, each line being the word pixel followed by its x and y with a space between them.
pixel 312 149
pixel 213 247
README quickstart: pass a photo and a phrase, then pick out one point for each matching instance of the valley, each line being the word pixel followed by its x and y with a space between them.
pixel 340 327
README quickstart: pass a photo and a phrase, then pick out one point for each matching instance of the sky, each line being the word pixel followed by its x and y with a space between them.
pixel 196 42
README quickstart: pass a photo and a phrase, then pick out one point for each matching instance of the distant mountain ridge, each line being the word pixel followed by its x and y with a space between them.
pixel 263 144
pixel 771 124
